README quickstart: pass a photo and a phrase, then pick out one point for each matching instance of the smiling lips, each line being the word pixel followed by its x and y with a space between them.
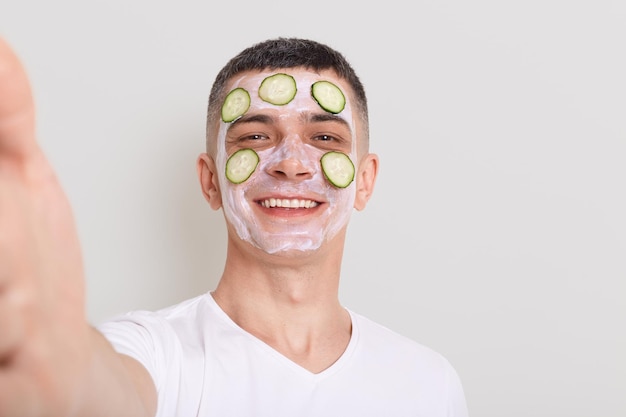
pixel 293 203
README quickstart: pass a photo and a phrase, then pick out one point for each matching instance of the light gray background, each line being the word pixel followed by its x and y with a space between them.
pixel 497 233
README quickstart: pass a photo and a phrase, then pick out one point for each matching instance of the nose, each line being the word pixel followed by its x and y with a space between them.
pixel 290 161
pixel 290 169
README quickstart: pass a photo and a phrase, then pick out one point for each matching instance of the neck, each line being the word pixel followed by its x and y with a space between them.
pixel 288 301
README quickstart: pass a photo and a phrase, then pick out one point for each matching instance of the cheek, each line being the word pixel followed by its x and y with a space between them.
pixel 220 155
pixel 343 198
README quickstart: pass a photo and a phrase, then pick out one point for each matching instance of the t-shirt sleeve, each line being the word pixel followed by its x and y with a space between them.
pixel 151 341
pixel 457 405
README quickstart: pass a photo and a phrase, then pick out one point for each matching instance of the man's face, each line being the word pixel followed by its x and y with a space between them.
pixel 287 203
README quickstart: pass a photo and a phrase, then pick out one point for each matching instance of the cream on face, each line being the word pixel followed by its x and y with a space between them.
pixel 286 204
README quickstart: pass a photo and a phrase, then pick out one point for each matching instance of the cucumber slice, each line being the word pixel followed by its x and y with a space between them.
pixel 235 104
pixel 338 168
pixel 241 165
pixel 328 96
pixel 278 89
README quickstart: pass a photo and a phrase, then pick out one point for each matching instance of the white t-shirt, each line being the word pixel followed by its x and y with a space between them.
pixel 203 364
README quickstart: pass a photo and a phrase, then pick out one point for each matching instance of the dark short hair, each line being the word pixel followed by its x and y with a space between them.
pixel 287 53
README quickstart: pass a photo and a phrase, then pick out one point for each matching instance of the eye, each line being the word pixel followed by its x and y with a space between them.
pixel 334 141
pixel 253 137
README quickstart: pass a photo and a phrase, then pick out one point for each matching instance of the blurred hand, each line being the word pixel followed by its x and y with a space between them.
pixel 44 336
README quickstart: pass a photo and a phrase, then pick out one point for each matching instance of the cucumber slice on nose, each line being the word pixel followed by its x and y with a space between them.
pixel 338 168
pixel 241 165
pixel 278 89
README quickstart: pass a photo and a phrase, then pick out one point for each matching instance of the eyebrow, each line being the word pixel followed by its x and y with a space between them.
pixel 306 117
pixel 253 118
pixel 325 117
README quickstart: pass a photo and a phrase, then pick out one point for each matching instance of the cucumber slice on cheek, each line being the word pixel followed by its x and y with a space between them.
pixel 241 165
pixel 278 89
pixel 338 168
pixel 236 103
pixel 328 96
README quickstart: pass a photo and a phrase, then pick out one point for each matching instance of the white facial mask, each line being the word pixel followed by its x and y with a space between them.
pixel 247 206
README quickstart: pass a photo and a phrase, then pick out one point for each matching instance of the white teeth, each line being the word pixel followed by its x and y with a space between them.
pixel 294 203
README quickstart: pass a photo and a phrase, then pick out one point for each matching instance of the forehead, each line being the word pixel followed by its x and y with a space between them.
pixel 302 101
pixel 251 80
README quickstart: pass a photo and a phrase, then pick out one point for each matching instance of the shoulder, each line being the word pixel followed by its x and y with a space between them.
pixel 408 366
pixel 143 332
pixel 378 343
pixel 158 320
pixel 157 339
pixel 379 337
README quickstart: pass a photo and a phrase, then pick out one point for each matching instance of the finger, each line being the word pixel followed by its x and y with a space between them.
pixel 11 286
pixel 17 396
pixel 17 110
pixel 12 329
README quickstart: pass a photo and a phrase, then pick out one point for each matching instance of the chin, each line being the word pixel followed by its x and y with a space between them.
pixel 292 246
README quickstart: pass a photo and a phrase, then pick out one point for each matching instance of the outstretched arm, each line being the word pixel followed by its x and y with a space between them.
pixel 52 363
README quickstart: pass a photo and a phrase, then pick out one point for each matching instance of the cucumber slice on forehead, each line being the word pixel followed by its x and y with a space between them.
pixel 235 104
pixel 241 165
pixel 328 96
pixel 278 89
pixel 338 168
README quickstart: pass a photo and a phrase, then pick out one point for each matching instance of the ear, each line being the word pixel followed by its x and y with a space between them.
pixel 207 174
pixel 365 180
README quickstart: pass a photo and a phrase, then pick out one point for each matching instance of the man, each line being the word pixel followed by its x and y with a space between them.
pixel 287 160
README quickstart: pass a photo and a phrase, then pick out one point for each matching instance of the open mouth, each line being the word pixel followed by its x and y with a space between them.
pixel 293 203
